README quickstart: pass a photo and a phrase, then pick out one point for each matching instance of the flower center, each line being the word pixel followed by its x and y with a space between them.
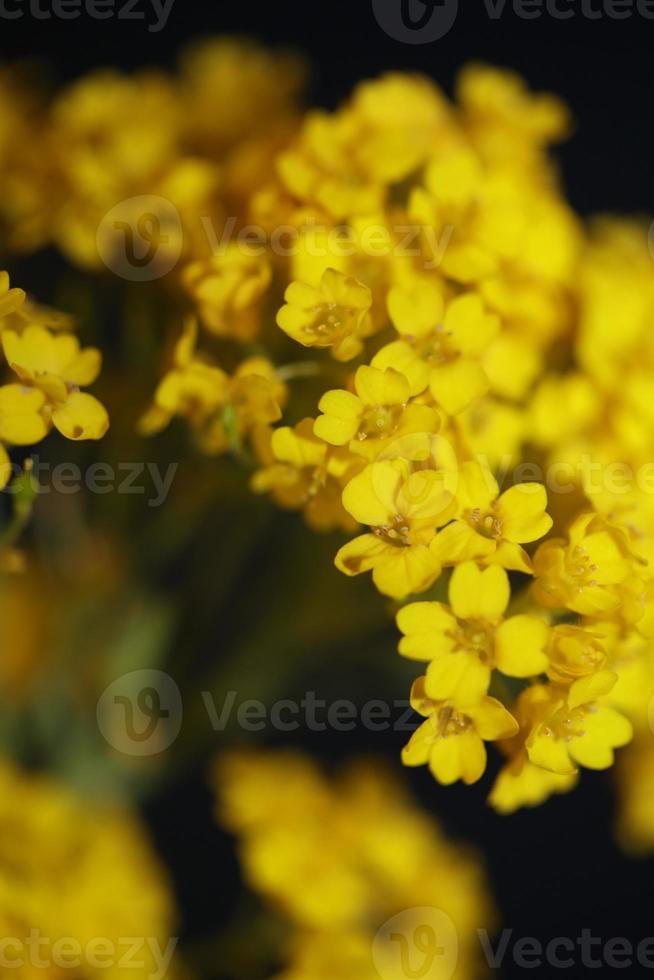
pixel 380 420
pixel 397 533
pixel 487 524
pixel 567 724
pixel 449 722
pixel 330 321
pixel 476 638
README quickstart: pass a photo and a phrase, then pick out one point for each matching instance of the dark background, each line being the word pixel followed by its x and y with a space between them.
pixel 556 870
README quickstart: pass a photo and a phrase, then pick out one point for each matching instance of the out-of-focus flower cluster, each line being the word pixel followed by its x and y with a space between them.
pixel 462 368
pixel 335 858
pixel 80 878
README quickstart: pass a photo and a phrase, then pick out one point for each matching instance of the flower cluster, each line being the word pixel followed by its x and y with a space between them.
pixel 483 346
pixel 381 855
pixel 461 368
pixel 485 353
pixel 48 370
pixel 78 874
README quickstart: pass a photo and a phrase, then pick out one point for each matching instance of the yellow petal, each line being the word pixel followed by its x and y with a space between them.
pixel 416 309
pixel 458 542
pixel 360 555
pixel 81 416
pixel 376 387
pixel 510 556
pixel 371 496
pixel 456 384
pixel 588 689
pixel 417 750
pixel 5 467
pixel 520 644
pixel 477 594
pixel 458 757
pixel 424 496
pixel 402 357
pixel 521 509
pixel 459 677
pixel 471 328
pixel 426 626
pixel 477 487
pixel 21 422
pixel 492 720
pixel 405 571
pixel 549 753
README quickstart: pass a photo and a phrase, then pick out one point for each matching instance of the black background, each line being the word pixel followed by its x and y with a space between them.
pixel 555 870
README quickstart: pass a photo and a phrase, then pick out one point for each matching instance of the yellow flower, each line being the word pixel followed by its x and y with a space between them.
pixel 306 474
pixel 466 642
pixel 10 299
pixel 451 740
pixel 572 728
pixel 491 527
pixel 382 854
pixel 521 783
pixel 228 290
pixel 68 865
pixel 585 571
pixel 403 507
pixel 439 349
pixel 379 411
pixel 334 314
pixel 56 366
pixel 573 652
pixel 192 388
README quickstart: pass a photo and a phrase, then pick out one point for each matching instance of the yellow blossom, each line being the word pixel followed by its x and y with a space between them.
pixel 304 473
pixel 451 739
pixel 403 507
pixel 491 527
pixel 440 348
pixel 335 314
pixel 573 727
pixel 228 290
pixel 465 642
pixel 379 411
pixel 586 571
pixel 58 367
